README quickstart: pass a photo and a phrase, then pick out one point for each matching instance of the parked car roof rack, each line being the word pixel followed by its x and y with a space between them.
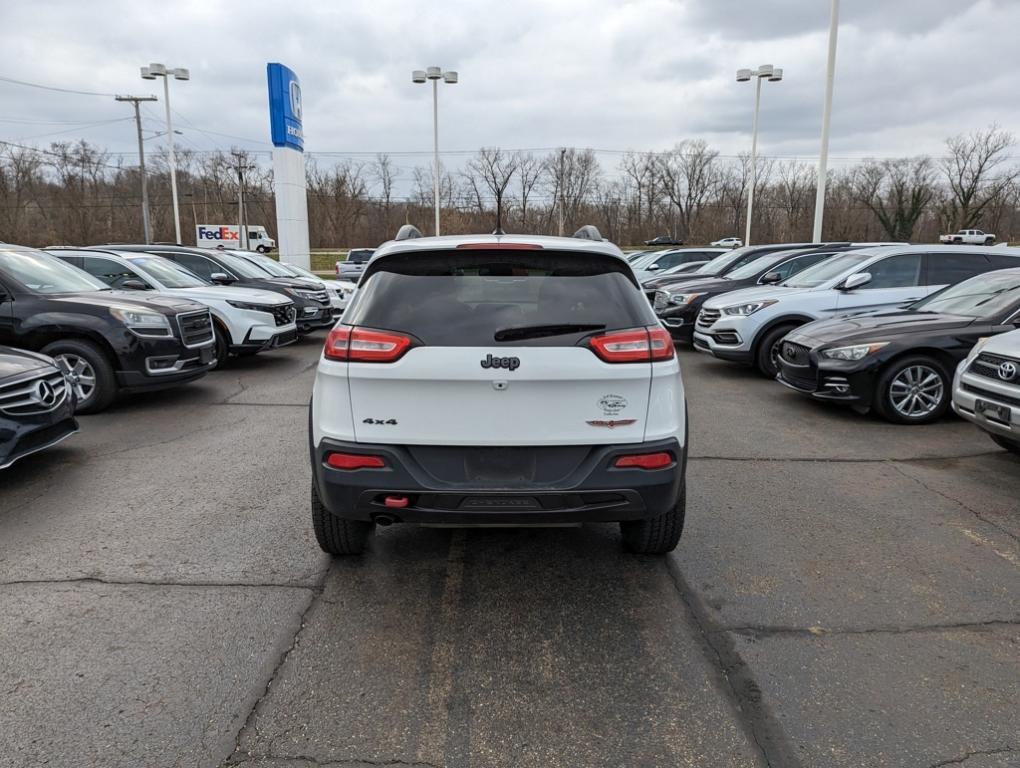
pixel 408 232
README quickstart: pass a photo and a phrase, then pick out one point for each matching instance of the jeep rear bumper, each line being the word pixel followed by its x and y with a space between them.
pixel 465 485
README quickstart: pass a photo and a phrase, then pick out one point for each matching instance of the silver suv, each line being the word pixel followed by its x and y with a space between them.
pixel 986 390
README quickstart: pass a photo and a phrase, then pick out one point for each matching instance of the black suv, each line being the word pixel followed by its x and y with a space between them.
pixel 314 309
pixel 106 341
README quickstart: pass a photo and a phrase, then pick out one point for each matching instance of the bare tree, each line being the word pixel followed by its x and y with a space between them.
pixel 529 173
pixel 495 168
pixel 897 191
pixel 571 175
pixel 689 176
pixel 975 175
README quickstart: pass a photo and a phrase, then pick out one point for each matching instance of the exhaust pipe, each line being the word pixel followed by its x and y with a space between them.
pixel 383 519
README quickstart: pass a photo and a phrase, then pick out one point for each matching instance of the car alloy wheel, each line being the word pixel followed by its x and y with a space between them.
pixel 916 391
pixel 81 374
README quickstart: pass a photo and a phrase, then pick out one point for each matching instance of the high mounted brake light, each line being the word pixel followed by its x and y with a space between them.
pixel 361 345
pixel 639 345
pixel 499 247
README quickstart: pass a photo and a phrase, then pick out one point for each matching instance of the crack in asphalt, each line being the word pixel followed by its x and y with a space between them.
pixel 160 583
pixel 977 753
pixel 818 631
pixel 759 722
pixel 960 503
pixel 343 763
pixel 249 721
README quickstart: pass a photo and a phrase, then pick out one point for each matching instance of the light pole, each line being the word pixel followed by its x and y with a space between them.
pixel 823 157
pixel 774 75
pixel 151 72
pixel 146 229
pixel 435 74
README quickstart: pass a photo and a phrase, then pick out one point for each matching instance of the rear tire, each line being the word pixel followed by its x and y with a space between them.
pixel 262 249
pixel 903 375
pixel 1004 442
pixel 96 385
pixel 766 357
pixel 657 535
pixel 335 535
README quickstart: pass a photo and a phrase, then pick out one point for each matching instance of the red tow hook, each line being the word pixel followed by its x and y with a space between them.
pixel 396 502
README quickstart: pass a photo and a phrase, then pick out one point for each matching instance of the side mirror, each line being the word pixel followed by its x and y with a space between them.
pixel 856 280
pixel 653 268
pixel 221 278
pixel 134 285
pixel 771 278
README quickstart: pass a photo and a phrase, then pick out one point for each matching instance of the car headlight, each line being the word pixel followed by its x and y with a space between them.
pixel 750 308
pixel 978 346
pixel 681 299
pixel 853 353
pixel 142 321
pixel 252 307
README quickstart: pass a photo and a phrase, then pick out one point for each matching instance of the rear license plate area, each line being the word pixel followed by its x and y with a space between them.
pixel 500 503
pixel 992 411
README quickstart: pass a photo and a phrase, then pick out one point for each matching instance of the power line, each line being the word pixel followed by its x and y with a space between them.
pixel 53 88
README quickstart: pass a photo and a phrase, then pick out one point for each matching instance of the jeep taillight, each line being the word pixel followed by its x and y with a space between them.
pixel 361 345
pixel 639 345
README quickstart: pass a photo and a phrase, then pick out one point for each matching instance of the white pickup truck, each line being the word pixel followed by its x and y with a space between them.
pixel 968 237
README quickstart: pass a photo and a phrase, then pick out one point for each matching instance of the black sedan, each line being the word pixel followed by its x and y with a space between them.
pixel 677 305
pixel 900 363
pixel 36 404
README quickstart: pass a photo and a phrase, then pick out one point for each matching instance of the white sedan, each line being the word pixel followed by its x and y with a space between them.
pixel 729 242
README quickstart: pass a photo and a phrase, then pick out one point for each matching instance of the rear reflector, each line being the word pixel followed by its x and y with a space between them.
pixel 499 247
pixel 645 460
pixel 361 345
pixel 640 345
pixel 355 461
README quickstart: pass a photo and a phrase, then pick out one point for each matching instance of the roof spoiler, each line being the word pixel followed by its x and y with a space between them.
pixel 589 232
pixel 408 232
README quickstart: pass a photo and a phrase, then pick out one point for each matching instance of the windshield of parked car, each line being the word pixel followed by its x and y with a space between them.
pixel 166 272
pixel 241 266
pixel 826 270
pixel 986 295
pixel 42 273
pixel 720 264
pixel 270 266
pixel 756 266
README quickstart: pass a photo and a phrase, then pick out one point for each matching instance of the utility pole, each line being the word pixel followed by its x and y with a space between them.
pixel 242 223
pixel 146 227
pixel 562 173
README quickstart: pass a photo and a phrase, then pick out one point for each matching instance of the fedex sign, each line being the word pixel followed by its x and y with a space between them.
pixel 208 234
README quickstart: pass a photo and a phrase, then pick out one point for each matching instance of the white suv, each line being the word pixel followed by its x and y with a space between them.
pixel 746 326
pixel 986 390
pixel 498 379
pixel 245 320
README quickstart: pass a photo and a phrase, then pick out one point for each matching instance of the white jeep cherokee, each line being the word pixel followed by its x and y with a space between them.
pixel 498 379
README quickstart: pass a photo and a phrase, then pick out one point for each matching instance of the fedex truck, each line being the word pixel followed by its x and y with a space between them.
pixel 229 236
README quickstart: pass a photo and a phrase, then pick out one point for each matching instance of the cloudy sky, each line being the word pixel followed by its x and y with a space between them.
pixel 607 74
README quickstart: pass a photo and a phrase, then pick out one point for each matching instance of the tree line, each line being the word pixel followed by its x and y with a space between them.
pixel 78 193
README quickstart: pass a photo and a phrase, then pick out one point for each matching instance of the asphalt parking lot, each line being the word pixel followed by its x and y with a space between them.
pixel 847 593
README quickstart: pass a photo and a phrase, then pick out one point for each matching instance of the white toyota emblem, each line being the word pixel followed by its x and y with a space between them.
pixel 1007 371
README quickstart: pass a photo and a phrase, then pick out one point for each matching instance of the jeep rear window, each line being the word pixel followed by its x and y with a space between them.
pixel 464 299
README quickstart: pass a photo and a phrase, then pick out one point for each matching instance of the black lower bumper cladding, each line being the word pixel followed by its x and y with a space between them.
pixel 513 485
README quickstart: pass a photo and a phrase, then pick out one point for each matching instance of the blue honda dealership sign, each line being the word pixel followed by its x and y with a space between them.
pixel 285 107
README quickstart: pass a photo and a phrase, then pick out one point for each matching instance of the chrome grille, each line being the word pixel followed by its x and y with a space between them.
pixel 993 366
pixel 707 318
pixel 196 328
pixel 39 394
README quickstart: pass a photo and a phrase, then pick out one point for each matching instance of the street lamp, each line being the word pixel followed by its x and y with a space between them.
pixel 773 75
pixel 823 156
pixel 151 72
pixel 435 74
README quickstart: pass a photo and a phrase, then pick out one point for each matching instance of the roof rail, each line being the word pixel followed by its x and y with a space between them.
pixel 589 232
pixel 408 232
